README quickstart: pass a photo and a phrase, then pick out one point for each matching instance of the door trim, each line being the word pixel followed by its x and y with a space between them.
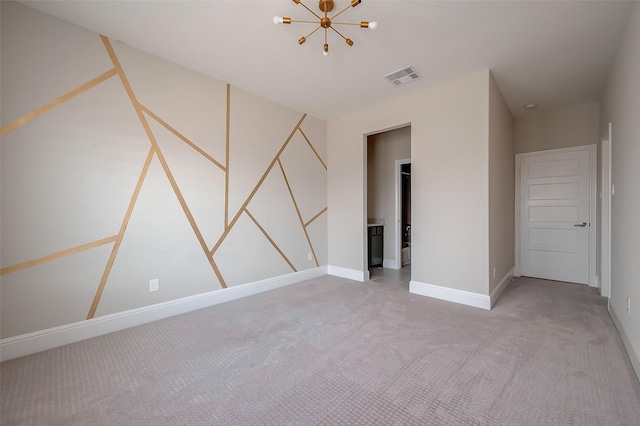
pixel 593 165
pixel 605 218
pixel 398 224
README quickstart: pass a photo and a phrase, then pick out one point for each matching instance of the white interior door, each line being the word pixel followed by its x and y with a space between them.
pixel 555 216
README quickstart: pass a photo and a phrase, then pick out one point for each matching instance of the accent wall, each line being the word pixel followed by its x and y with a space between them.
pixel 118 167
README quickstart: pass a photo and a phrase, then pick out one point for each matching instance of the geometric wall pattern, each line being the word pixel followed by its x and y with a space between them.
pixel 121 167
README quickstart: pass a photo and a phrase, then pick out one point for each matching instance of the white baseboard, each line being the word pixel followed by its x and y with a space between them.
pixel 350 274
pixel 25 344
pixel 390 263
pixel 451 295
pixel 634 355
pixel 495 294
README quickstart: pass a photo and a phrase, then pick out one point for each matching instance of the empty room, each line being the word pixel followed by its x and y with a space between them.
pixel 319 212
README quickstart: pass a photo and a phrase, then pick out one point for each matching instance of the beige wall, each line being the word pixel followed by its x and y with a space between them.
pixel 501 188
pixel 450 178
pixel 383 149
pixel 621 107
pixel 142 170
pixel 576 125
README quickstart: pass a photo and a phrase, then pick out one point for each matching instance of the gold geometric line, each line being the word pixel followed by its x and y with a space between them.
pixel 163 162
pixel 226 177
pixel 123 227
pixel 270 240
pixel 255 189
pixel 313 149
pixel 187 212
pixel 182 137
pixel 58 255
pixel 57 101
pixel 315 217
pixel 295 204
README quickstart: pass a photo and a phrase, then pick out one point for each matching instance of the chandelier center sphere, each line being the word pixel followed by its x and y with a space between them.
pixel 325 22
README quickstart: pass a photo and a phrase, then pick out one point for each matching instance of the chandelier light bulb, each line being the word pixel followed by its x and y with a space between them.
pixel 325 51
pixel 277 20
pixel 373 25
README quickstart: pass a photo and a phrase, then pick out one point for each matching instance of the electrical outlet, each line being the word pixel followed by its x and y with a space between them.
pixel 153 284
pixel 494 272
pixel 309 257
pixel 628 305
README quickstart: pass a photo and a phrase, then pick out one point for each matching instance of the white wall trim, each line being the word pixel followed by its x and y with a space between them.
pixel 25 344
pixel 634 355
pixel 497 292
pixel 451 295
pixel 350 274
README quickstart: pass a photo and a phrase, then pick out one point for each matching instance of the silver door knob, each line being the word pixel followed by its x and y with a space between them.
pixel 580 225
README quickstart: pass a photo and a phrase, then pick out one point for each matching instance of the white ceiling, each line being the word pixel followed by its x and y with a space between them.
pixel 553 53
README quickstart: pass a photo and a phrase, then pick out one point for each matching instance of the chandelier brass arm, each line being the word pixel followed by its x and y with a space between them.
pixel 354 3
pixel 325 22
pixel 312 12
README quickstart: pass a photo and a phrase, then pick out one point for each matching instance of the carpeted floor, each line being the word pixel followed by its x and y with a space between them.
pixel 333 351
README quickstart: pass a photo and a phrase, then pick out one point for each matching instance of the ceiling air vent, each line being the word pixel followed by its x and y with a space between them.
pixel 402 76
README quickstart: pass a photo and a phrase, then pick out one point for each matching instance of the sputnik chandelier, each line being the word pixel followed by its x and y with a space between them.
pixel 325 22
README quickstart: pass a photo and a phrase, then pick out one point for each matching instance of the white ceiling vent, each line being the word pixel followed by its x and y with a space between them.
pixel 402 76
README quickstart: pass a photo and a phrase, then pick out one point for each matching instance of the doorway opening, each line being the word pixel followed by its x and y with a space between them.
pixel 388 228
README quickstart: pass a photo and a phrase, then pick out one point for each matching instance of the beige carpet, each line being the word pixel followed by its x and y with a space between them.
pixel 332 351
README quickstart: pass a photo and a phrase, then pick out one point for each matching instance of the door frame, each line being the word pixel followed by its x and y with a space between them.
pixel 398 224
pixel 593 165
pixel 605 204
